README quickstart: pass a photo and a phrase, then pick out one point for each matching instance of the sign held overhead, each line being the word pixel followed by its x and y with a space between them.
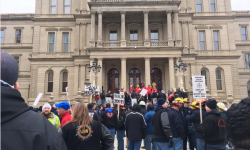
pixel 199 87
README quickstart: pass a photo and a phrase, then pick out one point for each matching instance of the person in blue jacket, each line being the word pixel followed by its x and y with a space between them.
pixel 176 125
pixel 194 119
pixel 149 138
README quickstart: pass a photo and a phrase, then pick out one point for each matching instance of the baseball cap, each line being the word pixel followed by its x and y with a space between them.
pixel 9 69
pixel 64 105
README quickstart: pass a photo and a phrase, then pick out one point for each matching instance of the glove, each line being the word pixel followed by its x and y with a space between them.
pixel 182 137
pixel 171 143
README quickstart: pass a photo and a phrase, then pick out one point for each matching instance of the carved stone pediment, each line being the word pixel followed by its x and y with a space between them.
pixel 215 26
pixel 134 25
pixel 155 24
pixel 51 29
pixel 201 27
pixel 65 29
pixel 113 24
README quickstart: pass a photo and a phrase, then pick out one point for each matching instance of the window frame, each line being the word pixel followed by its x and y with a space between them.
pixel 151 35
pixel 222 79
pixel 17 36
pixel 61 80
pixel 133 34
pixel 2 38
pixel 218 34
pixel 50 43
pixel 201 4
pixel 64 43
pixel 205 45
pixel 64 6
pixel 242 33
pixel 53 6
pixel 246 60
pixel 47 81
pixel 215 8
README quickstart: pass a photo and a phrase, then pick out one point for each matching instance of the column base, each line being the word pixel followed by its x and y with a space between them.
pixel 177 42
pixel 99 44
pixel 123 43
pixel 170 42
pixel 92 44
pixel 146 43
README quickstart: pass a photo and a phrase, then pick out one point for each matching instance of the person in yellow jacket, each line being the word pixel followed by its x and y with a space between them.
pixel 54 119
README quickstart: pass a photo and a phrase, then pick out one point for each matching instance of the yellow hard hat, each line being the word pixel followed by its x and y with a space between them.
pixel 194 105
pixel 179 99
pixel 185 100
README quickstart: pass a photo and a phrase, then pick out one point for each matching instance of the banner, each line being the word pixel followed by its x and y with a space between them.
pixel 91 90
pixel 199 87
pixel 119 98
pixel 109 100
pixel 37 99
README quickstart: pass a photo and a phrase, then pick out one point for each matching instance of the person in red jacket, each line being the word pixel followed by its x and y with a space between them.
pixel 131 88
pixel 97 97
pixel 155 89
pixel 63 112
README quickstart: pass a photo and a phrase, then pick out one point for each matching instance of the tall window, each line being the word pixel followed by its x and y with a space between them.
pixel 18 36
pixel 113 38
pixel 202 40
pixel 247 58
pixel 64 81
pixel 53 6
pixel 199 5
pixel 204 73
pixel 51 42
pixel 248 88
pixel 216 40
pixel 50 82
pixel 133 35
pixel 244 33
pixel 67 6
pixel 218 79
pixel 212 5
pixel 2 35
pixel 154 35
pixel 65 42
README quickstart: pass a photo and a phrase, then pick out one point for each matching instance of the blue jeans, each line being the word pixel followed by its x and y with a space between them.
pixel 113 135
pixel 120 136
pixel 200 144
pixel 148 141
pixel 97 100
pixel 162 145
pixel 103 102
pixel 178 144
pixel 134 145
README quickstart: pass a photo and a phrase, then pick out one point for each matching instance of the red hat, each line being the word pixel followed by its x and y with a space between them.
pixel 122 106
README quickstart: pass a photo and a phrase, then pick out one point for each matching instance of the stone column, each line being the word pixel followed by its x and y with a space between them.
pixel 123 39
pixel 166 76
pixel 176 24
pixel 92 42
pixel 83 77
pixel 99 74
pixel 146 39
pixel 77 47
pixel 76 75
pixel 147 71
pixel 123 73
pixel 99 41
pixel 191 44
pixel 169 25
pixel 91 72
pixel 171 73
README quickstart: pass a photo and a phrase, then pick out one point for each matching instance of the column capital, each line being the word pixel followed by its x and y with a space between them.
pixel 99 59
pixel 123 59
pixel 145 12
pixel 100 12
pixel 168 11
pixel 147 57
pixel 122 12
pixel 93 12
pixel 183 22
pixel 175 11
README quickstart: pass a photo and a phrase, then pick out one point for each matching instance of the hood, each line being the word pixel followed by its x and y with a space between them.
pixel 136 107
pixel 215 112
pixel 12 104
pixel 158 107
pixel 109 110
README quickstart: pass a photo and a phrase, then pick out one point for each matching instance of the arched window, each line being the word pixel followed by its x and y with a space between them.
pixel 113 80
pixel 64 81
pixel 204 73
pixel 134 77
pixel 248 88
pixel 50 82
pixel 218 79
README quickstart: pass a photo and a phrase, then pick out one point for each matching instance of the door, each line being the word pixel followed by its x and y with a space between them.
pixel 156 77
pixel 113 80
pixel 134 77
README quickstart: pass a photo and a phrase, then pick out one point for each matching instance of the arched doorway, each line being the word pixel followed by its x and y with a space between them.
pixel 156 76
pixel 113 80
pixel 134 77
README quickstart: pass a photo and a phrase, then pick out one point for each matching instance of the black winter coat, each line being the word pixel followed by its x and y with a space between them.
pixel 176 123
pixel 24 129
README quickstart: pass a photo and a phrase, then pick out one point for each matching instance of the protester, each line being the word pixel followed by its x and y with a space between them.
pixel 99 110
pixel 22 128
pixel 133 95
pixel 92 113
pixel 194 119
pixel 94 106
pixel 176 125
pixel 129 110
pixel 97 97
pixel 121 127
pixel 149 143
pixel 109 119
pixel 213 128
pixel 222 109
pixel 127 98
pixel 163 138
pixel 46 111
pixel 63 112
pixel 136 128
pixel 159 86
pixel 84 133
pixel 238 124
pixel 143 108
pixel 102 96
pixel 154 96
pixel 131 88
pixel 149 88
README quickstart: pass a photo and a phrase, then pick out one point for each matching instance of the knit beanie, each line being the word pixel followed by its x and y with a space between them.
pixel 161 101
pixel 46 105
pixel 90 106
pixel 212 104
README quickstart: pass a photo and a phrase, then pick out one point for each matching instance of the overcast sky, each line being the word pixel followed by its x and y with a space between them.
pixel 28 6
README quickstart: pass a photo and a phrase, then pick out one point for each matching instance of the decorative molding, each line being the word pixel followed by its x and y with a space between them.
pixel 92 12
pixel 155 24
pixel 219 65
pixel 145 12
pixel 203 66
pixel 243 25
pixel 215 27
pixel 100 12
pixel 65 29
pixel 201 27
pixel 51 29
pixel 18 27
pixel 168 11
pixel 134 24
pixel 113 24
pixel 3 28
pixel 123 12
pixel 183 22
pixel 175 11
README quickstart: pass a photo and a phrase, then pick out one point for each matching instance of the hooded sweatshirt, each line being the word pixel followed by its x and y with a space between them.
pixel 109 119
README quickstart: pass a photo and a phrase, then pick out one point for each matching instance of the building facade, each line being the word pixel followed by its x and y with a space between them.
pixel 133 41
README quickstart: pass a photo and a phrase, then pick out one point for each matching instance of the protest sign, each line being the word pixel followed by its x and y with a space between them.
pixel 109 100
pixel 91 90
pixel 133 101
pixel 199 87
pixel 144 92
pixel 118 98
pixel 37 99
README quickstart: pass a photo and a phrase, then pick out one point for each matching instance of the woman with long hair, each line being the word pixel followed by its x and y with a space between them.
pixel 83 133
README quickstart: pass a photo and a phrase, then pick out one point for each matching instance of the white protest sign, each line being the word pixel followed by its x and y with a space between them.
pixel 144 92
pixel 91 90
pixel 133 101
pixel 199 87
pixel 37 99
pixel 119 98
pixel 109 100
pixel 122 93
pixel 67 92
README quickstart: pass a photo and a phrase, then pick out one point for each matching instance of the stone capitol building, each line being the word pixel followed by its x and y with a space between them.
pixel 133 41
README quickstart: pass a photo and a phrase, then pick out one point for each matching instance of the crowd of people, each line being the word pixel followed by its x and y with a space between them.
pixel 161 122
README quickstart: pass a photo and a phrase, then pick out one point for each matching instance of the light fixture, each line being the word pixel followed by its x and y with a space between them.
pixel 175 67
pixel 180 61
pixel 89 67
pixel 99 68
